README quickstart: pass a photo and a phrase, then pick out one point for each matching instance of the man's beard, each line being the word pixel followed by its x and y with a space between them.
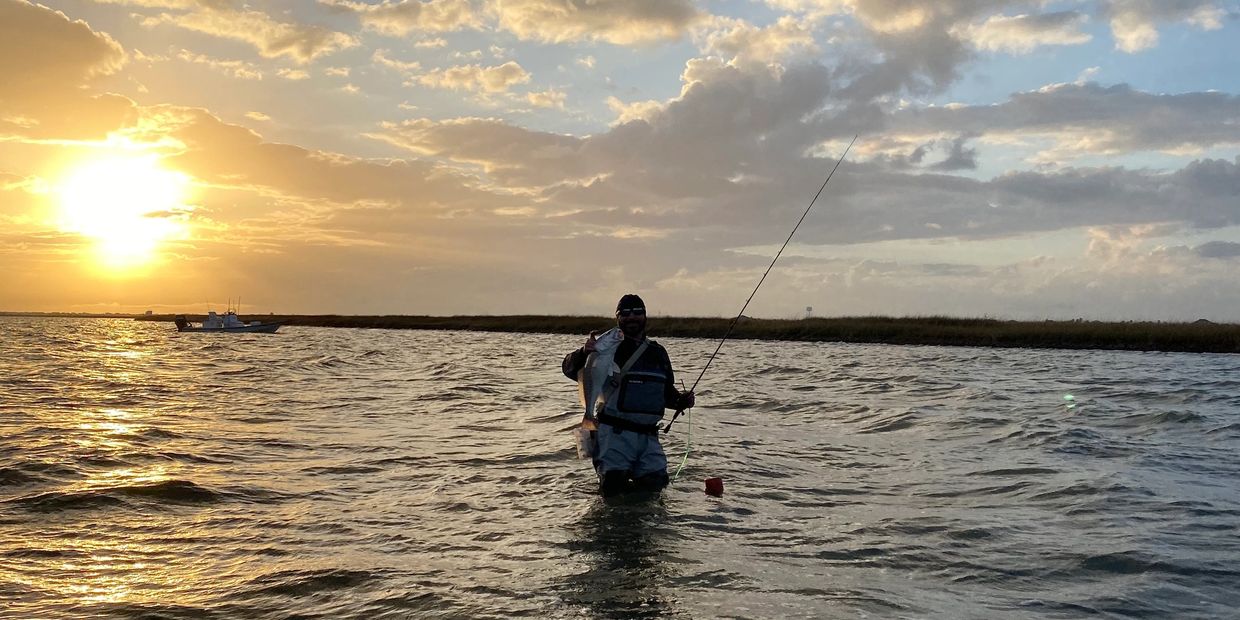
pixel 633 329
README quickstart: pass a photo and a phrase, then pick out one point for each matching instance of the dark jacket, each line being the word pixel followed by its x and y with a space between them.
pixel 655 355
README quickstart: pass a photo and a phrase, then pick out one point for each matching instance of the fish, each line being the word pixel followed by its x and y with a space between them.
pixel 592 379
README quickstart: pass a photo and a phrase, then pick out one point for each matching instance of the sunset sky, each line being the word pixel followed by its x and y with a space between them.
pixel 1017 159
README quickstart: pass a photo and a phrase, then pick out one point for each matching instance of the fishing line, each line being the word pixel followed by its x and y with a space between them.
pixel 751 296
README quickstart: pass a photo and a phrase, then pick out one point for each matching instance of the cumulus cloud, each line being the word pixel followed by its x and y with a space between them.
pixel 736 138
pixel 46 59
pixel 398 18
pixel 614 21
pixel 550 98
pixel 747 43
pixel 496 79
pixel 1134 23
pixel 919 47
pixel 42 50
pixel 1021 34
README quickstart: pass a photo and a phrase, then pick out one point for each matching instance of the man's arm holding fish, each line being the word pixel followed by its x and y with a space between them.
pixel 576 360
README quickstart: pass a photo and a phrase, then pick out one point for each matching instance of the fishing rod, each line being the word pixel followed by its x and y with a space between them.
pixel 761 280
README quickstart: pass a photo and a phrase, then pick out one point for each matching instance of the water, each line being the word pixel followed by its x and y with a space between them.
pixel 342 473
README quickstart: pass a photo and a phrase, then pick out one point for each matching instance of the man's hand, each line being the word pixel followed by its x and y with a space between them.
pixel 589 346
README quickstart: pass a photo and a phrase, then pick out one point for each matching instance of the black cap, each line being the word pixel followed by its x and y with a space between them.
pixel 630 301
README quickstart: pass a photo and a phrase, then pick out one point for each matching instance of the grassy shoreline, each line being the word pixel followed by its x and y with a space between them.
pixel 1199 337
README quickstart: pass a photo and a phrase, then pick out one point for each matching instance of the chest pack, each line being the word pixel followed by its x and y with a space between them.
pixel 638 388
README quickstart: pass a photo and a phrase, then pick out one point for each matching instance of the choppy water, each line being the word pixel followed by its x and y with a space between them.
pixel 341 473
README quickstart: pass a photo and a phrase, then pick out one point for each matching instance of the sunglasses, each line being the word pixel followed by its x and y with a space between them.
pixel 631 312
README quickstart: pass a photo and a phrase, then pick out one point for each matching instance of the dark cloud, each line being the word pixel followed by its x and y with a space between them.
pixel 1218 249
pixel 1093 118
pixel 959 157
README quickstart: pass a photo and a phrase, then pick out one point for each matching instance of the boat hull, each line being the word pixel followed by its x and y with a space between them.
pixel 264 328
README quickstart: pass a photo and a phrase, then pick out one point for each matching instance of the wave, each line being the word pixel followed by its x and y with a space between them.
pixel 165 491
pixel 1015 471
pixel 898 422
pixel 1137 563
pixel 11 476
pixel 298 583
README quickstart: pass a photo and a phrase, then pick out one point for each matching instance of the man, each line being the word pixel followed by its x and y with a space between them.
pixel 628 451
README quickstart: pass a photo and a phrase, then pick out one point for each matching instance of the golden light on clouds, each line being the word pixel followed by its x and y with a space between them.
pixel 129 205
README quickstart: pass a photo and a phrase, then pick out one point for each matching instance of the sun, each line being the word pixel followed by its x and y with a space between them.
pixel 128 205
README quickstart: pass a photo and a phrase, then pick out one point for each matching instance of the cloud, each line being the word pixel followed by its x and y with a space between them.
pixel 273 39
pixel 506 152
pixel 621 22
pixel 727 162
pixel 231 159
pixel 633 110
pixel 550 98
pixel 42 51
pixel 919 47
pixel 258 116
pixel 46 59
pixel 380 57
pixel 1022 34
pixel 401 17
pixel 235 68
pixel 902 47
pixel 1134 23
pixel 731 156
pixel 960 158
pixel 1090 118
pixel 475 78
pixel 744 42
pixel 175 4
pixel 1218 249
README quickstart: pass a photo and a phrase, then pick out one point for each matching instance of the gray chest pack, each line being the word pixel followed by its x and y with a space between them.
pixel 637 392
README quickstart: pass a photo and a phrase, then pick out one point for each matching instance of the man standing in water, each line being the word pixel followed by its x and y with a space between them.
pixel 628 451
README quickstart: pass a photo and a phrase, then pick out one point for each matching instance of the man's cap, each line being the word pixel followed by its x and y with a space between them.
pixel 630 301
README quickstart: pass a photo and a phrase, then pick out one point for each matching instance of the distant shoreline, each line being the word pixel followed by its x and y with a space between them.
pixel 1197 337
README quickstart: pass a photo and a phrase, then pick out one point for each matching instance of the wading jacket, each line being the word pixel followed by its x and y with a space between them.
pixel 646 389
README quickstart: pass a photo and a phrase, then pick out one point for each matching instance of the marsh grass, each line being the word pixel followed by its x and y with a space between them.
pixel 932 330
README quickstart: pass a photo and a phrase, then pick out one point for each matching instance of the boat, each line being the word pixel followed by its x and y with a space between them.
pixel 228 323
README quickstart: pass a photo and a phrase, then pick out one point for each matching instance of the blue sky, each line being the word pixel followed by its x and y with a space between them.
pixel 1017 158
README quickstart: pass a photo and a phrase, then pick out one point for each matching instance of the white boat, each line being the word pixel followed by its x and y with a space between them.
pixel 226 323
